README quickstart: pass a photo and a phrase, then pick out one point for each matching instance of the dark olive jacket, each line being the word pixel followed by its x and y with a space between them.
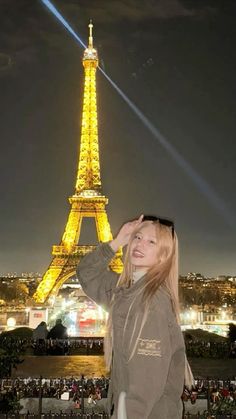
pixel 153 378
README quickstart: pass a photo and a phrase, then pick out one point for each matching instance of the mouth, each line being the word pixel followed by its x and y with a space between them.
pixel 137 254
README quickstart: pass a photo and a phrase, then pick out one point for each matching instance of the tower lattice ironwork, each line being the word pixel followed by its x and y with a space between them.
pixel 87 200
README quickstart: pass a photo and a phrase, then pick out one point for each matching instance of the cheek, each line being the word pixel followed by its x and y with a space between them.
pixel 153 255
pixel 131 246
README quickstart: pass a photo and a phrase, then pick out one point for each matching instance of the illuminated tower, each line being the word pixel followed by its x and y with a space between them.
pixel 87 200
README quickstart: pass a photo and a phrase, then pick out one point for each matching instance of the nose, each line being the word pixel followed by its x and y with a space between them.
pixel 141 244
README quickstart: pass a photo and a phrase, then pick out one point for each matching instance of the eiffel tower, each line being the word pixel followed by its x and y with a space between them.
pixel 87 200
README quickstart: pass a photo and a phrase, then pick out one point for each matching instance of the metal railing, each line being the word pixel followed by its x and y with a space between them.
pixel 72 346
pixel 89 345
pixel 207 393
pixel 72 415
pixel 208 415
pixel 54 415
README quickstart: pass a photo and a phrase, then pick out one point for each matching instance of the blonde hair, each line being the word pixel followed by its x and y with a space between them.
pixel 163 273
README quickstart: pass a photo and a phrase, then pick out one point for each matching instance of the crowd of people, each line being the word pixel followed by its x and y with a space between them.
pixel 57 342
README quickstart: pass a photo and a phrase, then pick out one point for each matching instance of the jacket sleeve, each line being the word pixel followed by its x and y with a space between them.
pixel 149 366
pixel 97 280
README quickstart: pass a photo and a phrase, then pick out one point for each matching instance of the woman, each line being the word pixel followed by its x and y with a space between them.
pixel 144 344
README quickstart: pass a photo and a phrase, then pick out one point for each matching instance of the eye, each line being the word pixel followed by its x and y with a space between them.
pixel 137 236
pixel 152 241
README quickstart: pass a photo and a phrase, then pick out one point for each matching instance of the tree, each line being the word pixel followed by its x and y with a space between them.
pixel 14 291
pixel 10 356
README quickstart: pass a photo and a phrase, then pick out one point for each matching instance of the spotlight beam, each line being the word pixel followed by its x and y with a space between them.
pixel 61 19
pixel 205 188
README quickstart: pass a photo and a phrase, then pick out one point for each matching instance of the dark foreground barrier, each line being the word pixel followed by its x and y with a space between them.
pixel 94 346
pixel 220 396
pixel 57 415
pixel 209 416
pixel 104 416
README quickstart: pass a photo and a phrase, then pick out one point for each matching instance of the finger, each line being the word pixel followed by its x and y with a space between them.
pixel 139 220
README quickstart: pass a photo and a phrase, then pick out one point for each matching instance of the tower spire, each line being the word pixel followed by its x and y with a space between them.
pixel 90 34
pixel 88 177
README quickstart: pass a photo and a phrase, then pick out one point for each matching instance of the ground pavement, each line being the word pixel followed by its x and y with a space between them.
pixel 68 366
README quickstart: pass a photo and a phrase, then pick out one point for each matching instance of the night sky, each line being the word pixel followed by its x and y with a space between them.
pixel 176 60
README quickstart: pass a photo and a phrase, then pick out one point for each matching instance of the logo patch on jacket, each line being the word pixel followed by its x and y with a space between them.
pixel 149 347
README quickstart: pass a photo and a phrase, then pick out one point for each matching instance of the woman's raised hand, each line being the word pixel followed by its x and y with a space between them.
pixel 124 234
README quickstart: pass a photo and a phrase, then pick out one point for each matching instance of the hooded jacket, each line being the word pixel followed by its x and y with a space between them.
pixel 147 366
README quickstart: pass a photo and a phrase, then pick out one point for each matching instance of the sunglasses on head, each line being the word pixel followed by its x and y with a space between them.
pixel 163 221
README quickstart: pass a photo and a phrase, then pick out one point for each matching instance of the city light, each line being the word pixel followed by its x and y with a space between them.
pixel 193 315
pixel 11 322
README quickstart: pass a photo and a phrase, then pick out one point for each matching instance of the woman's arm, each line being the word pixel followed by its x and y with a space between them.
pixel 96 279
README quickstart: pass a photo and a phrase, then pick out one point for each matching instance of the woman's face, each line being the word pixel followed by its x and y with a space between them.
pixel 143 249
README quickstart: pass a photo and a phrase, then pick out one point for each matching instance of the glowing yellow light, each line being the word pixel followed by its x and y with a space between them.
pixel 193 315
pixel 223 315
pixel 87 200
pixel 11 322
